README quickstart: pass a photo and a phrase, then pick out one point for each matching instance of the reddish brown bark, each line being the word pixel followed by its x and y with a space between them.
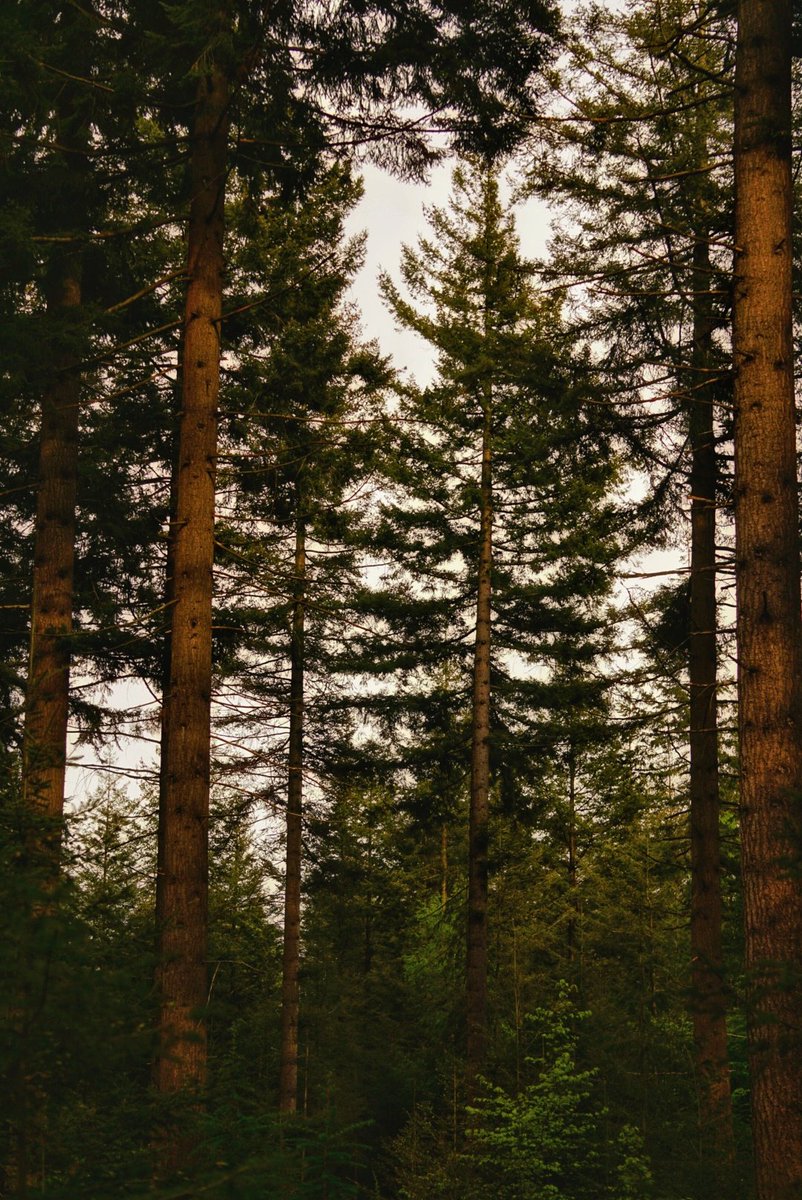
pixel 291 959
pixel 768 592
pixel 47 690
pixel 47 693
pixel 45 733
pixel 480 779
pixel 708 994
pixel 184 803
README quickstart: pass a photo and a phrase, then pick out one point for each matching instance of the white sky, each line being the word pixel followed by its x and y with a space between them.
pixel 392 213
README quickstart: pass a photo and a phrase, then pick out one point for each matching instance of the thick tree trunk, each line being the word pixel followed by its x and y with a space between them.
pixel 708 999
pixel 768 592
pixel 184 803
pixel 47 691
pixel 47 694
pixel 44 755
pixel 291 960
pixel 480 782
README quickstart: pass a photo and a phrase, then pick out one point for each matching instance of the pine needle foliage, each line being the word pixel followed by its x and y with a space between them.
pixel 502 360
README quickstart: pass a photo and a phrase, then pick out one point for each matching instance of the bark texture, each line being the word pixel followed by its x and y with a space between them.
pixel 291 959
pixel 47 690
pixel 768 592
pixel 480 780
pixel 47 694
pixel 182 885
pixel 708 991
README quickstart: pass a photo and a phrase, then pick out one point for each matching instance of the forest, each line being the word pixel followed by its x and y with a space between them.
pixel 443 832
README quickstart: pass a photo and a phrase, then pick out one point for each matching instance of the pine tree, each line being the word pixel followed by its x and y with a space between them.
pixel 767 580
pixel 183 826
pixel 361 67
pixel 58 107
pixel 57 113
pixel 74 203
pixel 500 441
pixel 305 431
pixel 646 146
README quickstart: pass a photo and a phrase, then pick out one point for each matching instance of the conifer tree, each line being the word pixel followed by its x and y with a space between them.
pixel 767 581
pixel 646 145
pixel 72 298
pixel 301 462
pixel 59 107
pixel 183 826
pixel 294 79
pixel 496 460
pixel 79 241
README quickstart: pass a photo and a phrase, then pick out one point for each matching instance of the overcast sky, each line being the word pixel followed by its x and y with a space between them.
pixel 392 214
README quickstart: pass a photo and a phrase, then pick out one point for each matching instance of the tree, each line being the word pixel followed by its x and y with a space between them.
pixel 362 66
pixel 768 595
pixel 502 437
pixel 645 142
pixel 61 109
pixel 547 1140
pixel 308 432
pixel 56 116
pixel 182 893
pixel 72 446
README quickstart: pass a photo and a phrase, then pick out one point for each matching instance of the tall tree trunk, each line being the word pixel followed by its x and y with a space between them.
pixel 571 841
pixel 47 694
pixel 443 865
pixel 708 1000
pixel 182 887
pixel 47 691
pixel 44 755
pixel 480 780
pixel 768 592
pixel 291 960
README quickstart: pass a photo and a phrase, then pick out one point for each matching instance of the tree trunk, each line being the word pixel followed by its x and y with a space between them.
pixel 291 960
pixel 45 732
pixel 480 781
pixel 184 803
pixel 443 865
pixel 47 694
pixel 768 592
pixel 708 1000
pixel 571 843
pixel 47 691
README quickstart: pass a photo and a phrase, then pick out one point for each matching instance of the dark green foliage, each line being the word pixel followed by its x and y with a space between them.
pixel 244 966
pixel 642 170
pixel 360 1040
pixel 71 200
pixel 383 959
pixel 300 420
pixel 76 968
pixel 501 353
